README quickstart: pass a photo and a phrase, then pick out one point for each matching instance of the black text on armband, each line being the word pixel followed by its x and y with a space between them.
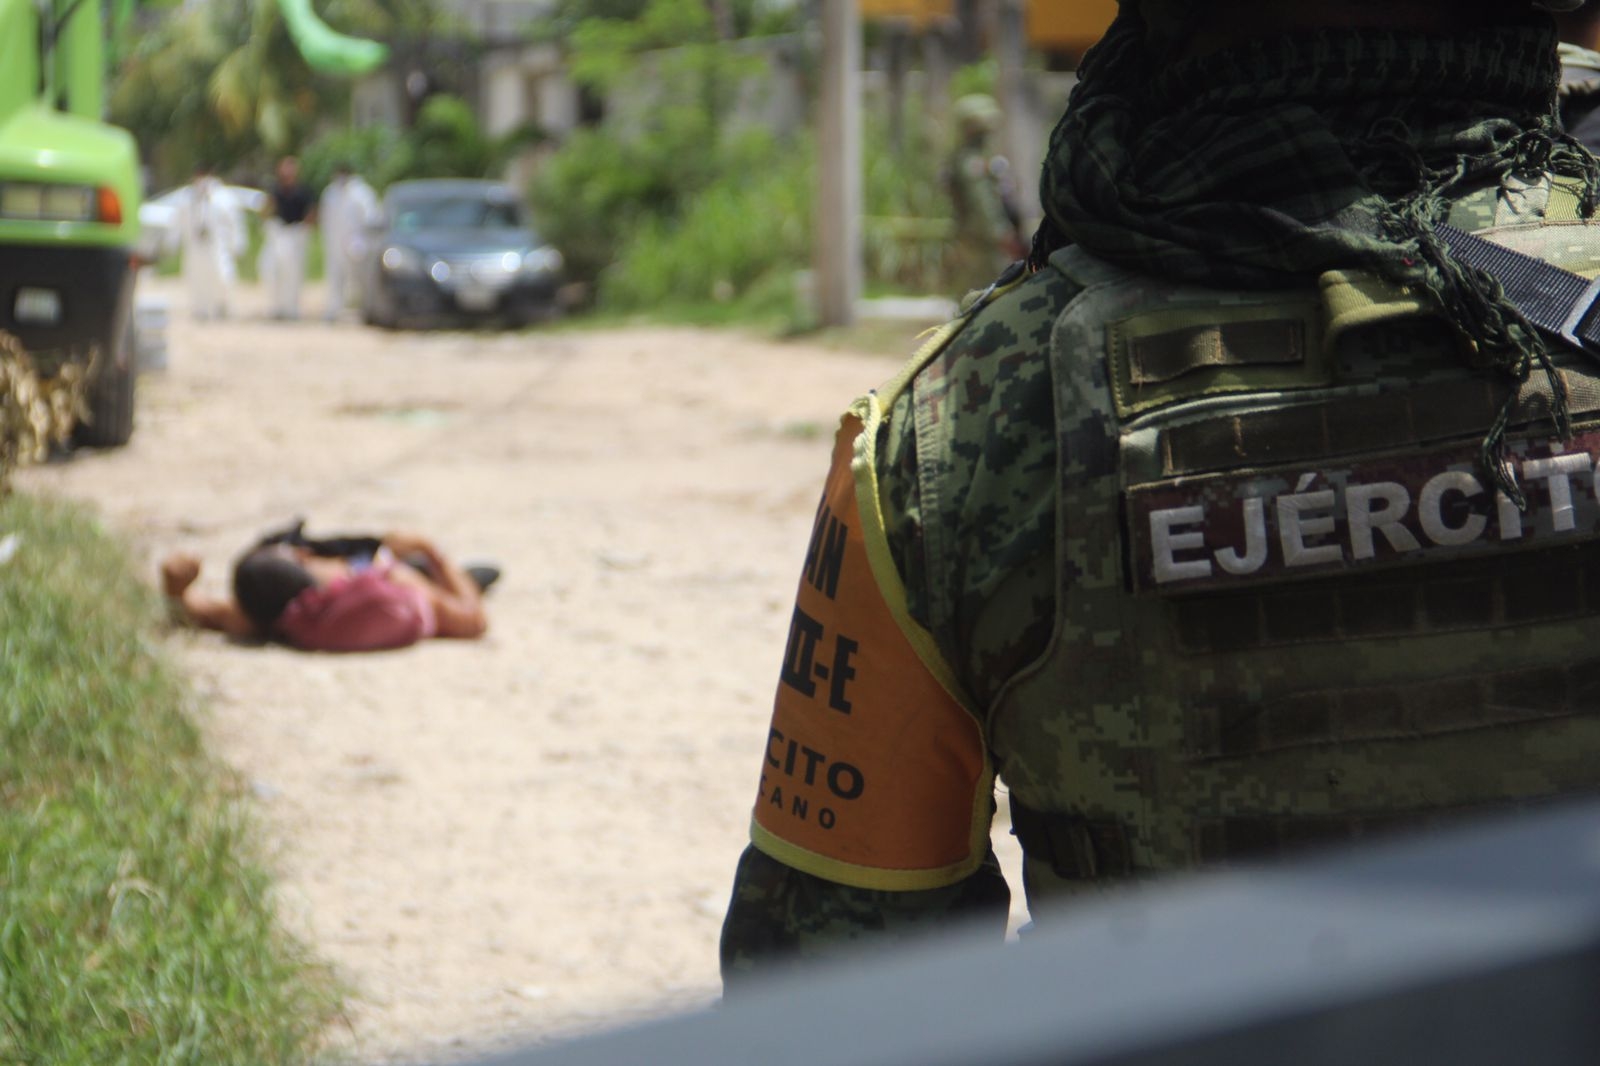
pixel 825 552
pixel 803 667
pixel 805 768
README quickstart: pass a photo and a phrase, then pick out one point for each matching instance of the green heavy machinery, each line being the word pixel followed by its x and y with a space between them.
pixel 69 206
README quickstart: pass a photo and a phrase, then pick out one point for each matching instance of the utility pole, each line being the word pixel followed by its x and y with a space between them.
pixel 837 232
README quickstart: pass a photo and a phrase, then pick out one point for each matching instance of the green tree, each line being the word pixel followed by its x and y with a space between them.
pixel 162 90
pixel 263 84
pixel 222 83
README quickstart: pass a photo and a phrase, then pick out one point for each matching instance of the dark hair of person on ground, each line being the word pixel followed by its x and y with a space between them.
pixel 265 581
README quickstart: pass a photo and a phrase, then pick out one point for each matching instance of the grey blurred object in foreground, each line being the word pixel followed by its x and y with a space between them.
pixel 1475 947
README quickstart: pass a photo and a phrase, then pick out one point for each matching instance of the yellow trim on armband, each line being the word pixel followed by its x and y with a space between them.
pixel 865 469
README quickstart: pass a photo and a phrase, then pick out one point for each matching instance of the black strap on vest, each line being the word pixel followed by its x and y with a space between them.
pixel 1077 848
pixel 1557 301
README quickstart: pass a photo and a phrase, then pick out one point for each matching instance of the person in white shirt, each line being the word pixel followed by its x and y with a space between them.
pixel 212 234
pixel 346 213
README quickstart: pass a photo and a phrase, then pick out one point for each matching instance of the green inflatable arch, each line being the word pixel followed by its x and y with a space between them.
pixel 325 48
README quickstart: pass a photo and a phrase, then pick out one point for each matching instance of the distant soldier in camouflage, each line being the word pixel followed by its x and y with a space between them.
pixel 1580 94
pixel 1579 103
pixel 986 224
pixel 1249 515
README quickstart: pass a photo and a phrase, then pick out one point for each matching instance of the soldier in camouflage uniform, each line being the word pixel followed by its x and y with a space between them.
pixel 986 233
pixel 1579 109
pixel 1247 516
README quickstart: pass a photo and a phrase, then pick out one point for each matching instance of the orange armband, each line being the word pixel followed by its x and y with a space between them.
pixel 875 774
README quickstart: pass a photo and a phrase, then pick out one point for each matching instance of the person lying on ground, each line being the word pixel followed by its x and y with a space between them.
pixel 371 594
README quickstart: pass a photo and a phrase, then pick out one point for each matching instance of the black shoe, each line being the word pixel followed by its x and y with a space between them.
pixel 484 575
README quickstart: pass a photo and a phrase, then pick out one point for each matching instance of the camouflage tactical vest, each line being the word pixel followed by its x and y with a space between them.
pixel 1288 607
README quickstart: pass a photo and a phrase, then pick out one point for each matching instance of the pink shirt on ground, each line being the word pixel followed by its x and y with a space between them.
pixel 363 612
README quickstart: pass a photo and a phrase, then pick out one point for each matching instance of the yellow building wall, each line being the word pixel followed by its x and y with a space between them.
pixel 1052 25
pixel 918 12
pixel 1068 25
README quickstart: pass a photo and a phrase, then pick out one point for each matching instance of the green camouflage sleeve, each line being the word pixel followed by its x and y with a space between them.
pixel 968 466
pixel 967 469
pixel 780 917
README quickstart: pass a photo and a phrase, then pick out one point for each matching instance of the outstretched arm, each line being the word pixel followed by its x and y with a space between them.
pixel 178 574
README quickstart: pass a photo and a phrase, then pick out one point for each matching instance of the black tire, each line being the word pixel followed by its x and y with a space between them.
pixel 110 421
pixel 373 311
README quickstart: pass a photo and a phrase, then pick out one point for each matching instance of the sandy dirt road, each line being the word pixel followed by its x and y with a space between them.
pixel 521 838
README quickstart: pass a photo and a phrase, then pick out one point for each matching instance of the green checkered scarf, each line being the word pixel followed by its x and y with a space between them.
pixel 1270 163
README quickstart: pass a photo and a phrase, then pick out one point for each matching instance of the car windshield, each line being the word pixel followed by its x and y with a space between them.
pixel 456 212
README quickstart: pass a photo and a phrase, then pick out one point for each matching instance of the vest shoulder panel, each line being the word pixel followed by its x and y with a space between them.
pixel 1288 607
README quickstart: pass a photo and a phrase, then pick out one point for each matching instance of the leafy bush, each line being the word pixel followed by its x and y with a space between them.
pixel 647 231
pixel 907 228
pixel 447 142
pixel 607 185
pixel 590 195
pixel 600 189
pixel 369 150
pixel 752 220
pixel 665 203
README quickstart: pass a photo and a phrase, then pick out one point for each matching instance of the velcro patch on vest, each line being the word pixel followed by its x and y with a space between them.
pixel 1174 354
pixel 1232 530
pixel 1161 357
pixel 873 773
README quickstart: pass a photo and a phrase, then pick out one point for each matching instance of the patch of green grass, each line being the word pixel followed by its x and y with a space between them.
pixel 136 923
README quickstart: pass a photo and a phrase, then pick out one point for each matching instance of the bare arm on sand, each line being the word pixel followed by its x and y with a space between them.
pixel 178 573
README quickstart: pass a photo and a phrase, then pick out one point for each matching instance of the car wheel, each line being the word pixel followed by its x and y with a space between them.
pixel 373 315
pixel 110 398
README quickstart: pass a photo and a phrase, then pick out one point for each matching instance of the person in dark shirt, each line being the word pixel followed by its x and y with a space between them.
pixel 290 211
